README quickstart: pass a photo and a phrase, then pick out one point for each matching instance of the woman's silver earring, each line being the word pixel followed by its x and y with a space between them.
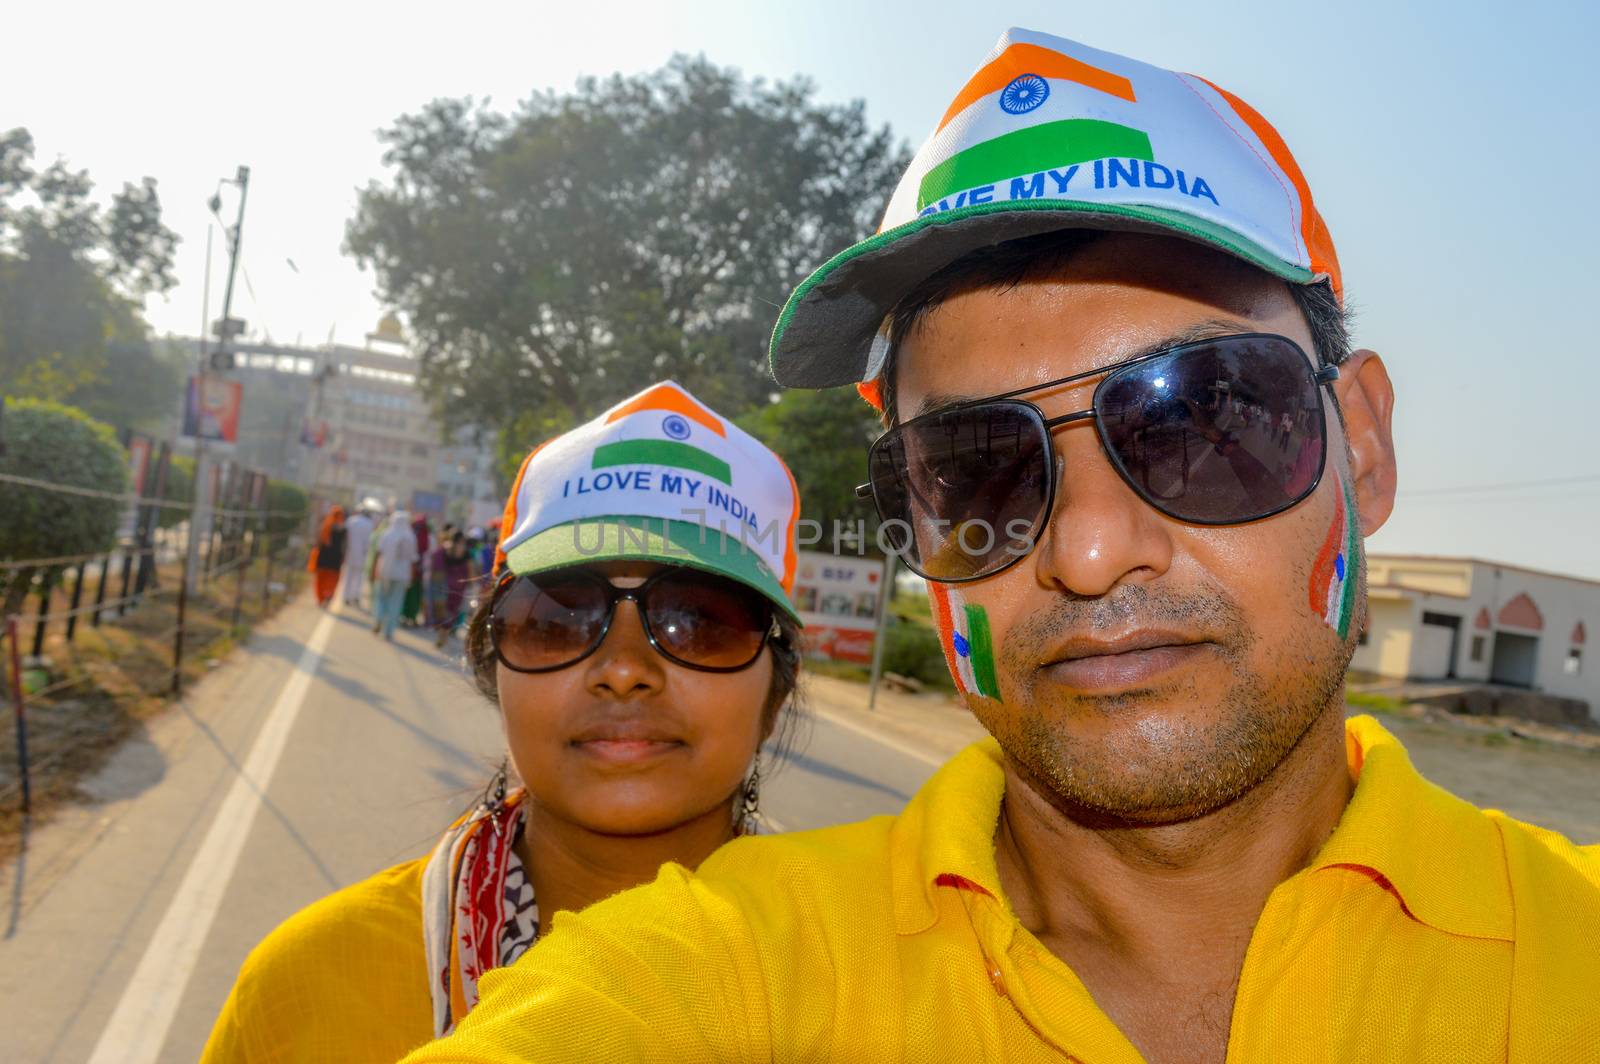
pixel 494 795
pixel 750 808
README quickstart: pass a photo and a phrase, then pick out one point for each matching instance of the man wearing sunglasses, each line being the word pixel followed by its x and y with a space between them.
pixel 1131 451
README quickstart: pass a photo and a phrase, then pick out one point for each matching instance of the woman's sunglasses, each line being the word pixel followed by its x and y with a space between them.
pixel 552 620
pixel 1219 432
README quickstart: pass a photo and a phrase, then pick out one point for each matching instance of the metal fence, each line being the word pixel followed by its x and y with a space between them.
pixel 226 551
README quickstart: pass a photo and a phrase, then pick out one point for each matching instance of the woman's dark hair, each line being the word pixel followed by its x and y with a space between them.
pixel 780 715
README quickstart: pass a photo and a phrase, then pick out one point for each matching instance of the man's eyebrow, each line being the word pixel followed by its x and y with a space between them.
pixel 1209 329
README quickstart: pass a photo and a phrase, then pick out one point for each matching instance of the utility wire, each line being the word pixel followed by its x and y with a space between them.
pixel 1464 489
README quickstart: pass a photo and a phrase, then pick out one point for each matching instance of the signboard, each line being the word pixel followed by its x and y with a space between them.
pixel 427 502
pixel 837 599
pixel 211 411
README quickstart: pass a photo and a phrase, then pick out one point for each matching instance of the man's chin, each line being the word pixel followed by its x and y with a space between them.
pixel 1137 762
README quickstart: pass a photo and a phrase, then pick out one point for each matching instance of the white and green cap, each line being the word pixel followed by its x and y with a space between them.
pixel 658 477
pixel 1049 134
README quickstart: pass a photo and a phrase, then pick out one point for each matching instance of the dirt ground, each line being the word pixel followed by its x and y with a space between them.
pixel 112 677
pixel 1552 782
pixel 1552 785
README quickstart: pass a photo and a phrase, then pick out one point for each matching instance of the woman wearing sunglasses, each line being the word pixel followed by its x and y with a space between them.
pixel 638 639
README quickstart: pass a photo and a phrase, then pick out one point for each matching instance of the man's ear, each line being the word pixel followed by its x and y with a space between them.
pixel 1366 398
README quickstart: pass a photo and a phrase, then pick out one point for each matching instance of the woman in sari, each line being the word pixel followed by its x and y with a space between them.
pixel 640 653
pixel 327 556
pixel 451 570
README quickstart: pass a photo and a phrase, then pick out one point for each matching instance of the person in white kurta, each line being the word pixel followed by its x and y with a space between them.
pixel 358 532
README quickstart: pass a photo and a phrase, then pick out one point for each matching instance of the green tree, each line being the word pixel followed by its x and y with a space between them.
pixel 179 489
pixel 823 436
pixel 73 277
pixel 288 504
pixel 65 446
pixel 556 259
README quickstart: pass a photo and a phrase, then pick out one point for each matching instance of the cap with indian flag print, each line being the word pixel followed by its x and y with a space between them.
pixel 658 477
pixel 1049 134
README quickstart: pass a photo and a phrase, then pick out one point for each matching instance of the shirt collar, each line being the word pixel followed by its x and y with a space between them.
pixel 1441 856
pixel 1438 854
pixel 947 829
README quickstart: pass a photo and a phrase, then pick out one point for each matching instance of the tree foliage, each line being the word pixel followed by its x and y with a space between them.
pixel 553 260
pixel 49 441
pixel 73 276
pixel 179 489
pixel 288 504
pixel 823 436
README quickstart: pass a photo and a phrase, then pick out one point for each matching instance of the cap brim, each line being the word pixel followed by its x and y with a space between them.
pixel 631 538
pixel 825 332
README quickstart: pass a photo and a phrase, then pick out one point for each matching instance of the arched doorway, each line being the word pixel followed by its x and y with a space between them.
pixel 1515 661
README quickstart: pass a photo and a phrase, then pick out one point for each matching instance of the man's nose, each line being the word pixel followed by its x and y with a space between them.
pixel 1100 533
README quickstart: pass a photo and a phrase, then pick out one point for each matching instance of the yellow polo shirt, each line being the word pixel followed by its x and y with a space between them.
pixel 1425 930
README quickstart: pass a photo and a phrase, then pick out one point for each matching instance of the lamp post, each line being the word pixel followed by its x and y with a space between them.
pixel 220 359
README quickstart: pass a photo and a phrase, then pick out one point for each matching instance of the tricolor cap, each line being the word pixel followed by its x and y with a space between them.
pixel 1050 135
pixel 658 477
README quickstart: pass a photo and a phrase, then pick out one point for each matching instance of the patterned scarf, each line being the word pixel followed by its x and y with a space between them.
pixel 478 909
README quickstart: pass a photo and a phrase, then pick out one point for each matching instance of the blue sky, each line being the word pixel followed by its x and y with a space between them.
pixel 1451 147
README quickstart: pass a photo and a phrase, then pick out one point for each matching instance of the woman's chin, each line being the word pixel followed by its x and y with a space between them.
pixel 635 821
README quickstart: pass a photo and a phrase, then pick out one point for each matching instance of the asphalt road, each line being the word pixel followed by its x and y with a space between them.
pixel 126 919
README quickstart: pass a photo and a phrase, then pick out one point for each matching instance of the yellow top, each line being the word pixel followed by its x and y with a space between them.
pixel 343 979
pixel 1425 930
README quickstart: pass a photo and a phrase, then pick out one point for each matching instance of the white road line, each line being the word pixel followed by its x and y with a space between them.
pixel 138 1028
pixel 879 738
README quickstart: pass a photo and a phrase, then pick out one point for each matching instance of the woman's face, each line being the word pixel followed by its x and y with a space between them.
pixel 626 742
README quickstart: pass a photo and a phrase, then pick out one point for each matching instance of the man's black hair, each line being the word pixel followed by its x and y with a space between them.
pixel 1015 262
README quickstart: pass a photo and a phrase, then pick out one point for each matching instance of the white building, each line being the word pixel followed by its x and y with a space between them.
pixel 1473 620
pixel 376 437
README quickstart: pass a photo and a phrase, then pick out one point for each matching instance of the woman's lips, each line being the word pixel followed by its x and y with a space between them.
pixel 625 751
pixel 1120 670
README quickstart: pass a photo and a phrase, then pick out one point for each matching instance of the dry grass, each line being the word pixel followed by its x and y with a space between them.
pixel 114 675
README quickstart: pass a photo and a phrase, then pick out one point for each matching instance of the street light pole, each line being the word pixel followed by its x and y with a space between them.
pixel 242 179
pixel 200 514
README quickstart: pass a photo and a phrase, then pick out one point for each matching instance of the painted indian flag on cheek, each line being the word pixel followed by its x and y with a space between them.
pixel 968 646
pixel 1333 574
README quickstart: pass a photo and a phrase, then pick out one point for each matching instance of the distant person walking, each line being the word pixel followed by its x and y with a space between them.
pixel 358 534
pixel 433 583
pixel 397 554
pixel 327 555
pixel 412 604
pixel 450 568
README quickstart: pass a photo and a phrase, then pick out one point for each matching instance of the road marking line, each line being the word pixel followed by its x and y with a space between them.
pixel 138 1027
pixel 878 737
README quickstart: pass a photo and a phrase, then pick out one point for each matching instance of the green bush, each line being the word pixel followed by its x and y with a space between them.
pixel 288 504
pixel 179 488
pixel 912 649
pixel 1373 703
pixel 62 445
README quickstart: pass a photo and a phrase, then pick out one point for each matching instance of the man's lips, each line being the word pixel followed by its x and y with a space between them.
pixel 1128 661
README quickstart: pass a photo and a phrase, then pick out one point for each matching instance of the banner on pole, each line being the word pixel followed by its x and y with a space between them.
pixel 211 409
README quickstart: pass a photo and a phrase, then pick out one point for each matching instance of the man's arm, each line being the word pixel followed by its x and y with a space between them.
pixel 667 972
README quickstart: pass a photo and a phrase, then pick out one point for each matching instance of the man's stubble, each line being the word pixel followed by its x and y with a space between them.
pixel 1172 765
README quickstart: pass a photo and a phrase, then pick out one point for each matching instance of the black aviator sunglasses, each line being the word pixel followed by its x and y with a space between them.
pixel 1221 431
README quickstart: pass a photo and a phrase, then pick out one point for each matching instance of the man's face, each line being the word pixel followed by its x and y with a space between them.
pixel 1149 670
